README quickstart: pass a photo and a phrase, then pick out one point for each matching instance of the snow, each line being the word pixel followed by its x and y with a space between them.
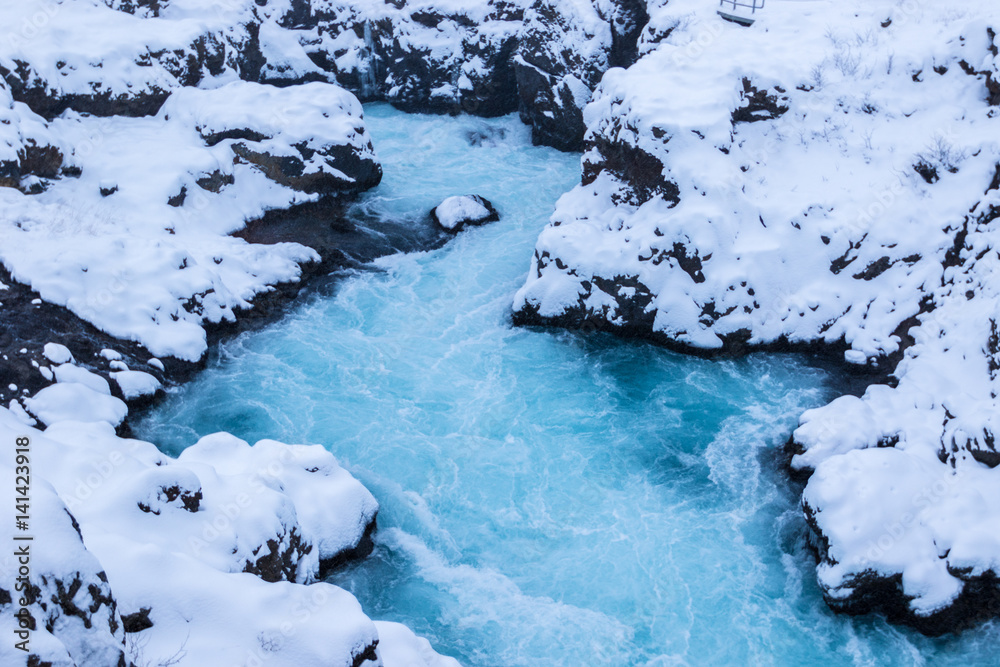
pixel 143 270
pixel 219 543
pixel 459 210
pixel 75 401
pixel 399 647
pixel 135 384
pixel 56 559
pixel 834 213
pixel 56 353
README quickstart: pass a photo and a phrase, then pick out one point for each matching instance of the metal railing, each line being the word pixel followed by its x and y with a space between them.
pixel 752 5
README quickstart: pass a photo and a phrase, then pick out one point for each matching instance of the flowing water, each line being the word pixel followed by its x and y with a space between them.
pixel 547 498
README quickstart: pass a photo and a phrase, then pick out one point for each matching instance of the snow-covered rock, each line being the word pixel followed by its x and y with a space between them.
pixel 310 138
pixel 206 556
pixel 136 384
pixel 485 58
pixel 827 177
pixel 140 247
pixel 125 57
pixel 56 604
pixel 456 212
pixel 29 153
pixel 399 647
pixel 563 51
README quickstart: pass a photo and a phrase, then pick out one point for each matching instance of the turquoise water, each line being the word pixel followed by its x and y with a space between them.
pixel 547 498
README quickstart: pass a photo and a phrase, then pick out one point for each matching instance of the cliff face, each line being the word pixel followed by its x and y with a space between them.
pixel 825 178
pixel 485 58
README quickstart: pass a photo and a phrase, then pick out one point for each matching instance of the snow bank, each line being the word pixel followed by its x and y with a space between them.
pixel 85 55
pixel 399 647
pixel 74 615
pixel 206 556
pixel 809 180
pixel 138 243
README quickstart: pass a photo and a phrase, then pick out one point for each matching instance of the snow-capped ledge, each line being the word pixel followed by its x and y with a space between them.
pixel 138 241
pixel 827 178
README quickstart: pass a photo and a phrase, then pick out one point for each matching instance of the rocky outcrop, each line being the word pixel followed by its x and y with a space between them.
pixel 151 55
pixel 224 532
pixel 563 52
pixel 738 198
pixel 420 57
pixel 56 605
pixel 29 154
pixel 541 58
pixel 310 138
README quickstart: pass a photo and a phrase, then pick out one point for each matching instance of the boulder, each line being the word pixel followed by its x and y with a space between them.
pixel 454 213
pixel 311 137
pixel 67 611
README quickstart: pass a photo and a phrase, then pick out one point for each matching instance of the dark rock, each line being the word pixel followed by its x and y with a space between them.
pixel 214 181
pixel 627 19
pixel 290 170
pixel 993 78
pixel 178 199
pixel 27 86
pixel 280 562
pixel 138 621
pixel 641 172
pixel 362 550
pixel 756 105
pixel 140 7
pixel 557 67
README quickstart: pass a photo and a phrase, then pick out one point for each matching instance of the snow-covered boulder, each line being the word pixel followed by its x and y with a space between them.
pixel 826 178
pixel 311 138
pixel 136 384
pixel 56 605
pixel 456 212
pixel 399 647
pixel 206 556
